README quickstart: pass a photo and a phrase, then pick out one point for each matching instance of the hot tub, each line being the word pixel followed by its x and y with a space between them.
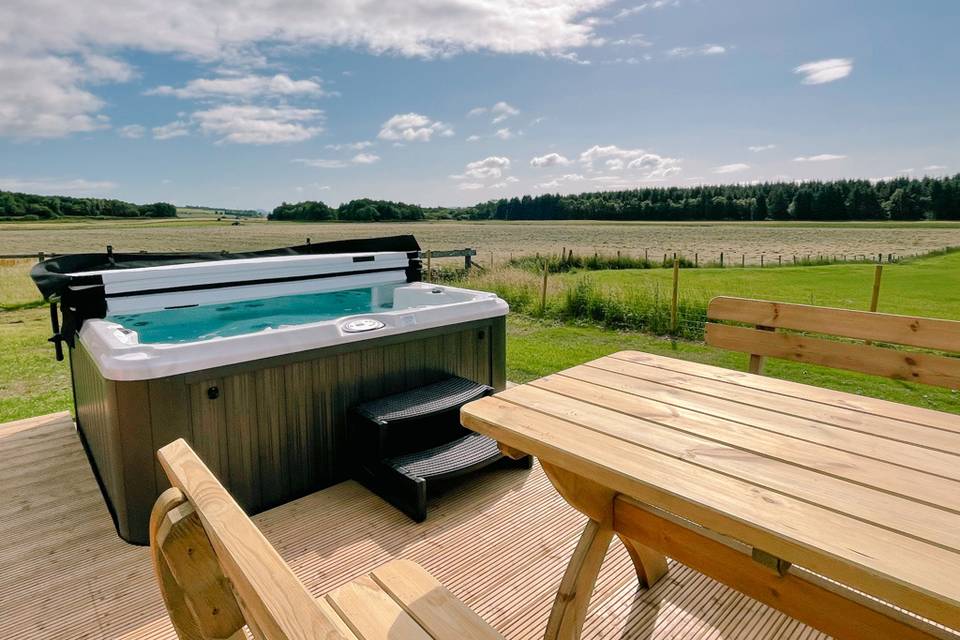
pixel 256 361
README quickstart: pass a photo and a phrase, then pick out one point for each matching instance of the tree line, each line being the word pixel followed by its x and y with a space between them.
pixel 362 210
pixel 894 199
pixel 26 206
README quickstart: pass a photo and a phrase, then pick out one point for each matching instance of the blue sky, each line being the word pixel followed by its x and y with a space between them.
pixel 458 101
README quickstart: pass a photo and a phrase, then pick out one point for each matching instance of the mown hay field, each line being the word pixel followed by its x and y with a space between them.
pixel 502 239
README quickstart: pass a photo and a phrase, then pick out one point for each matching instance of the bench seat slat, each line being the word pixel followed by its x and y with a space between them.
pixel 925 368
pixel 430 603
pixel 372 614
pixel 924 333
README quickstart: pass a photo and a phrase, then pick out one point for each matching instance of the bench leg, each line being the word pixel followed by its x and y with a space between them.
pixel 573 598
pixel 650 565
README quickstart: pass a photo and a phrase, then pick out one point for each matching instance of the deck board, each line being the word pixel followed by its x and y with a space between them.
pixel 500 544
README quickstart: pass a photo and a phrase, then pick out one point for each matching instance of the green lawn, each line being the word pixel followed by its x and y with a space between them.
pixel 33 383
pixel 536 348
pixel 925 287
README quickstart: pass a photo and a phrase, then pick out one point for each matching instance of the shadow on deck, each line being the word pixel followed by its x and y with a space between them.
pixel 500 543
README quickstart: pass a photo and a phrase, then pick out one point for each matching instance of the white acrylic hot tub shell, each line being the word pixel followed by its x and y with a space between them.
pixel 417 306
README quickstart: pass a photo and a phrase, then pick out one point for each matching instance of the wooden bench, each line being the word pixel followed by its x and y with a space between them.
pixel 218 574
pixel 762 340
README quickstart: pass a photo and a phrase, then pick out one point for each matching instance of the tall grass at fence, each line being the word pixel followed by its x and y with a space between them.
pixel 640 308
pixel 569 262
pixel 643 308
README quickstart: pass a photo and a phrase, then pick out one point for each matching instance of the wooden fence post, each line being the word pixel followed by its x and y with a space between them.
pixel 696 259
pixel 40 256
pixel 543 289
pixel 467 260
pixel 875 296
pixel 429 256
pixel 674 300
pixel 721 259
pixel 761 261
pixel 743 259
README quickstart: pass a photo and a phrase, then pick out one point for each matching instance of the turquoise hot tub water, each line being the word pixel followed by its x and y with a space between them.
pixel 206 321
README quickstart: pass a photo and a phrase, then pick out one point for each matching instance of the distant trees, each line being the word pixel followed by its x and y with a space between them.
pixel 362 210
pixel 25 205
pixel 895 199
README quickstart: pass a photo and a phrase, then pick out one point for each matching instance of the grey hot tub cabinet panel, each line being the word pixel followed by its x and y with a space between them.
pixel 272 430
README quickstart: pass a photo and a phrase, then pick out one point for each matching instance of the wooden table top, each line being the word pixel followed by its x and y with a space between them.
pixel 863 491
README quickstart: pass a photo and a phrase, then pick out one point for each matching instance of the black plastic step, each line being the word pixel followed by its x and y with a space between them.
pixel 406 440
pixel 463 455
pixel 438 397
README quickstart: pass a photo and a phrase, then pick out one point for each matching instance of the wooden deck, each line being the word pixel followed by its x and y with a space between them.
pixel 500 543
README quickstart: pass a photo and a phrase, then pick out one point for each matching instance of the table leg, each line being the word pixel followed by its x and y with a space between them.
pixel 650 565
pixel 573 598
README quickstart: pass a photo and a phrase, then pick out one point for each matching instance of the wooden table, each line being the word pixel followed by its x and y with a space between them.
pixel 778 489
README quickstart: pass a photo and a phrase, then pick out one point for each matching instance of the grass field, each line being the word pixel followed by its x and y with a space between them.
pixel 32 382
pixel 499 238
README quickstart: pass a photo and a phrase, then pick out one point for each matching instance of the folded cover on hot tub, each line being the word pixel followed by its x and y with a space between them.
pixel 74 281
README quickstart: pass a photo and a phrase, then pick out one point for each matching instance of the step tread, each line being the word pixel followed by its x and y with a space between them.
pixel 423 401
pixel 471 451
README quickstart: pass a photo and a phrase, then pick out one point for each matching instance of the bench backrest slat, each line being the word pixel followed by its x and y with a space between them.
pixel 924 333
pixel 273 601
pixel 762 340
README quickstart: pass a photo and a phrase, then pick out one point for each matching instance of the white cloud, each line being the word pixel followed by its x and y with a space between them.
pixel 249 124
pixel 473 138
pixel 105 69
pixel 823 157
pixel 55 186
pixel 331 163
pixel 504 134
pixel 321 163
pixel 214 31
pixel 731 168
pixel 490 167
pixel 131 131
pixel 470 186
pixel 352 146
pixel 413 127
pixel 501 111
pixel 649 165
pixel 654 4
pixel 935 167
pixel 571 56
pixel 762 147
pixel 556 183
pixel 43 96
pixel 630 60
pixel 52 50
pixel 243 87
pixel 702 50
pixel 549 160
pixel 910 170
pixel 503 183
pixel 635 40
pixel 823 71
pixel 174 129
pixel 365 158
